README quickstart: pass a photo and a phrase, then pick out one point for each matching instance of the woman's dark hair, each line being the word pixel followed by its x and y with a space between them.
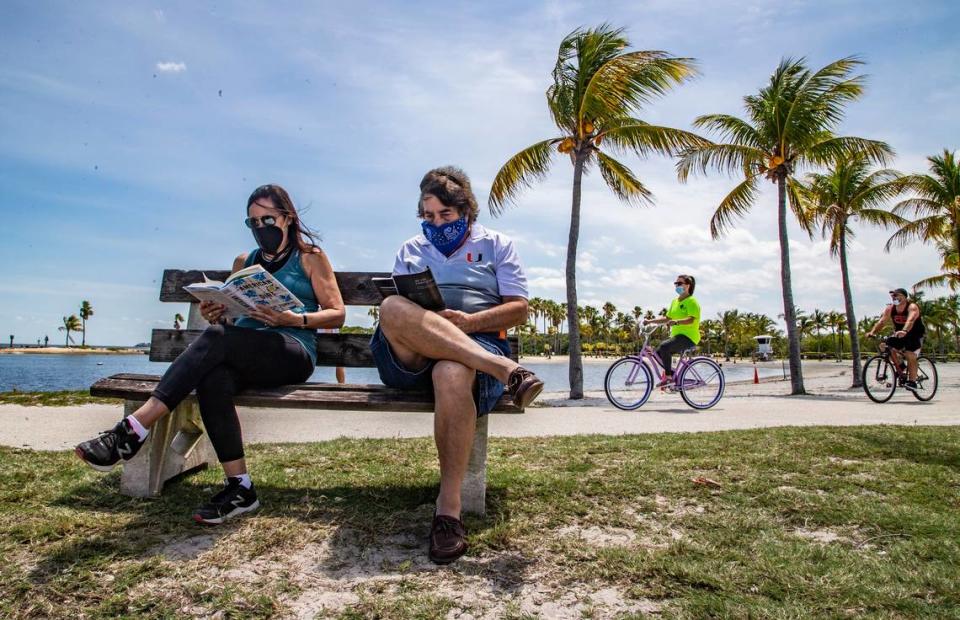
pixel 451 186
pixel 307 239
pixel 689 280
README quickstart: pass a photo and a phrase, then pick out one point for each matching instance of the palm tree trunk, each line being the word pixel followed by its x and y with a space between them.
pixel 848 306
pixel 789 310
pixel 576 363
pixel 83 338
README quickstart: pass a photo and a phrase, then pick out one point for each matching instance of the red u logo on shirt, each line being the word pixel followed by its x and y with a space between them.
pixel 471 259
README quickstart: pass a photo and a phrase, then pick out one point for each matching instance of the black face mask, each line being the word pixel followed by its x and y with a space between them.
pixel 268 238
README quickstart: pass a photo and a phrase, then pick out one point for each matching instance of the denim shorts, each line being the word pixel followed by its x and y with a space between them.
pixel 488 390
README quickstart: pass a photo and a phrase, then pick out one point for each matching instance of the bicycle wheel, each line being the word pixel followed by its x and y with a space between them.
pixel 702 383
pixel 926 379
pixel 879 379
pixel 628 383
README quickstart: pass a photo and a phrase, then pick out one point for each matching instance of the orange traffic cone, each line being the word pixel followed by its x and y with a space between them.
pixel 756 377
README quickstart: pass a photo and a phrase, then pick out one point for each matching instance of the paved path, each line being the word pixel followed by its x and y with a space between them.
pixel 744 406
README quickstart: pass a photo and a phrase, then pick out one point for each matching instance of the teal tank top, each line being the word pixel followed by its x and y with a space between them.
pixel 292 276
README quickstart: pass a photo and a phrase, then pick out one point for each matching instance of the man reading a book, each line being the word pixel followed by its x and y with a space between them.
pixel 461 352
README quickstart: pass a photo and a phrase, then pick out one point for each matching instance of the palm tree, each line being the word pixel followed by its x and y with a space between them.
pixel 373 313
pixel 70 324
pixel 833 322
pixel 937 208
pixel 790 127
pixel 819 320
pixel 832 201
pixel 729 324
pixel 597 89
pixel 86 311
pixel 177 320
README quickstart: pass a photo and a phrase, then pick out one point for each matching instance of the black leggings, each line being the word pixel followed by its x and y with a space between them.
pixel 669 347
pixel 221 362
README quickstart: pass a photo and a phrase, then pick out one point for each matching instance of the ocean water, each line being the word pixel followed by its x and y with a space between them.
pixel 48 373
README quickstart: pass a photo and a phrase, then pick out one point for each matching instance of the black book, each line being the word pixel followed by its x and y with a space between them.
pixel 420 288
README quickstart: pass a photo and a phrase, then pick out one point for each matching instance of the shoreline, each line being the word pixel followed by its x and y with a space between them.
pixel 71 351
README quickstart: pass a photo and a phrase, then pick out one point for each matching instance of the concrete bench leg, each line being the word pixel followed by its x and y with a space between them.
pixel 177 445
pixel 473 494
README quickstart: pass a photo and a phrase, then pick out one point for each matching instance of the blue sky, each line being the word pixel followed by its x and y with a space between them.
pixel 132 133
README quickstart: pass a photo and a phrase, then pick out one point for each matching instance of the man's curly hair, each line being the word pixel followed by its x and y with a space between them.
pixel 451 186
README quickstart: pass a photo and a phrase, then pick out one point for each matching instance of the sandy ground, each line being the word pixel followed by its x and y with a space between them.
pixel 745 405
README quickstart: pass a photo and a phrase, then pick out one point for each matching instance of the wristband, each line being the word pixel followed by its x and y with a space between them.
pixel 304 315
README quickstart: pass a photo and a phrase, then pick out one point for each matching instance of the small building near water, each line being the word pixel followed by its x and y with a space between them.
pixel 764 350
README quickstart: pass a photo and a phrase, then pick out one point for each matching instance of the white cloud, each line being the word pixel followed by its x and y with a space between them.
pixel 171 67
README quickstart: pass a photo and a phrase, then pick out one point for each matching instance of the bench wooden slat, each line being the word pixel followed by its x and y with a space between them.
pixel 302 396
pixel 355 286
pixel 348 350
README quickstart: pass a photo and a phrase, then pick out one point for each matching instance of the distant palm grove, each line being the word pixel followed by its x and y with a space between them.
pixel 611 331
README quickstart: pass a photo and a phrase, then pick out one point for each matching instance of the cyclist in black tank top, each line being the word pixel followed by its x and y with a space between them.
pixel 908 332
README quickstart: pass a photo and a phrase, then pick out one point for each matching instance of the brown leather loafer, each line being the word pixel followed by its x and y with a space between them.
pixel 524 386
pixel 448 539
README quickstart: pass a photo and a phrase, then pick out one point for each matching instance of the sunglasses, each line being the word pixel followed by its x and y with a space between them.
pixel 260 222
pixel 679 283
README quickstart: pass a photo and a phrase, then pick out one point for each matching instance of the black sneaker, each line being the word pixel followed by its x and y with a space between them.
pixel 910 385
pixel 234 500
pixel 102 453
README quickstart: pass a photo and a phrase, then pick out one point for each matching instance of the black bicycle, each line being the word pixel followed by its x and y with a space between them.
pixel 881 378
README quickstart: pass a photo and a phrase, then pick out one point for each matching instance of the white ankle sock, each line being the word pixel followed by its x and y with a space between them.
pixel 138 428
pixel 245 480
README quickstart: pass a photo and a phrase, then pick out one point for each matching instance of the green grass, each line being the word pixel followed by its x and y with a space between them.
pixel 821 522
pixel 53 399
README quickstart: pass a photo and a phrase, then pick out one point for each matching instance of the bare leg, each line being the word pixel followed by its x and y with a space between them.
pixel 417 336
pixel 911 364
pixel 454 424
pixel 341 375
pixel 895 358
pixel 150 412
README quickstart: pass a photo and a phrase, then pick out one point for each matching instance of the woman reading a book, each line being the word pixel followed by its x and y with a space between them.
pixel 265 348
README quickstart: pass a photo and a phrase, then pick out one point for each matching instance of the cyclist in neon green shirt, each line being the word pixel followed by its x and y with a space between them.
pixel 683 317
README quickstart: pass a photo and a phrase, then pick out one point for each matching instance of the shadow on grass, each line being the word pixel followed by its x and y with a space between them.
pixel 910 447
pixel 361 517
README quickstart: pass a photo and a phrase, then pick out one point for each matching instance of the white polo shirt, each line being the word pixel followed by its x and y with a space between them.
pixel 483 271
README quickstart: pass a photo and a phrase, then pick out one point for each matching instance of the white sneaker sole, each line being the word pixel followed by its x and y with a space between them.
pixel 236 512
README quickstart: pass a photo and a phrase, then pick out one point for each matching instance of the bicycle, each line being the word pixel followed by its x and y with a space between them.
pixel 881 379
pixel 629 381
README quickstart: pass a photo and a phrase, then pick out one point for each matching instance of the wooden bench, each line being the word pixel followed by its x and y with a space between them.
pixel 178 444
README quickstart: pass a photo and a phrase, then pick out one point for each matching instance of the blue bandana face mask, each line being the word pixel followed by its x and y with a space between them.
pixel 446 237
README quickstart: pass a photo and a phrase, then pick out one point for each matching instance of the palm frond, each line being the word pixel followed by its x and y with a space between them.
pixel 951 280
pixel 833 149
pixel 643 139
pixel 804 209
pixel 628 81
pixel 732 129
pixel 736 204
pixel 622 181
pixel 728 158
pixel 923 229
pixel 918 206
pixel 529 165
